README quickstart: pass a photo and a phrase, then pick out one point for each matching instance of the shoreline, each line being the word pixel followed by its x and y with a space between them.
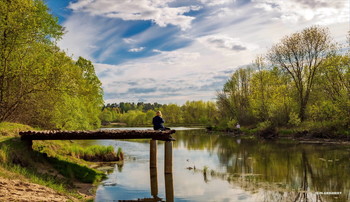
pixel 305 139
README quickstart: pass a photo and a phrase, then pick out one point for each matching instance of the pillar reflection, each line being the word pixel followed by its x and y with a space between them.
pixel 169 187
pixel 154 182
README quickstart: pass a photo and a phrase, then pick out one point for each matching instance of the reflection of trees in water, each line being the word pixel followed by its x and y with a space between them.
pixel 294 172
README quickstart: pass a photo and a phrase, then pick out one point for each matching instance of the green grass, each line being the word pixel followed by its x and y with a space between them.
pixel 74 171
pixel 75 151
pixel 12 129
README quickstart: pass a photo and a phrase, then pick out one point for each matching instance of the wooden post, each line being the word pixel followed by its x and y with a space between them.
pixel 169 187
pixel 29 144
pixel 168 157
pixel 153 154
pixel 154 182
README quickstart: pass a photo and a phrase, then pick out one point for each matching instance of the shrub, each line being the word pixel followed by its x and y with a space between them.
pixel 266 130
pixel 294 119
pixel 232 124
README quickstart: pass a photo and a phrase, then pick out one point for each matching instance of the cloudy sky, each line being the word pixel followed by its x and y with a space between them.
pixel 171 51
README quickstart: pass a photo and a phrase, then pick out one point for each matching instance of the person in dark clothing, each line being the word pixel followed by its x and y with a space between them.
pixel 158 121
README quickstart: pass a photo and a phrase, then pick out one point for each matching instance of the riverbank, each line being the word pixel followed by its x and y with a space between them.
pixel 62 169
pixel 300 135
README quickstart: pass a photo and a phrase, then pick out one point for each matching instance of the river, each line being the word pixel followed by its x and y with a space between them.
pixel 218 167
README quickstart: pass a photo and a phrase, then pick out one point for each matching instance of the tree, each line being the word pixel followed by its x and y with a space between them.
pixel 234 99
pixel 27 31
pixel 260 85
pixel 301 55
pixel 172 113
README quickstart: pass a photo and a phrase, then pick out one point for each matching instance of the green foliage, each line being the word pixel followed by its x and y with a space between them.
pixel 124 107
pixel 28 33
pixel 106 116
pixel 76 171
pixel 302 55
pixel 294 119
pixel 264 125
pixel 120 154
pixel 39 84
pixel 232 124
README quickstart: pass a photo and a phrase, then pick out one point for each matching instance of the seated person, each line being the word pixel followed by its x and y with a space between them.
pixel 158 121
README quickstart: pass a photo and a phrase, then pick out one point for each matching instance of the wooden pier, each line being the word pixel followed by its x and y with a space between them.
pixel 97 134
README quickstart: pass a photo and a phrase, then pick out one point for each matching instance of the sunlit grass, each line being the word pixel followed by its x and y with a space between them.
pixel 12 129
pixel 75 151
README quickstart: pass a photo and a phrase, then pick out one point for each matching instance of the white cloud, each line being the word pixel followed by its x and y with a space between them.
pixel 319 11
pixel 216 2
pixel 135 50
pixel 169 76
pixel 129 40
pixel 178 57
pixel 157 11
pixel 225 43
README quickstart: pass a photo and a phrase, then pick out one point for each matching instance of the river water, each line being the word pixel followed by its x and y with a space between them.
pixel 218 167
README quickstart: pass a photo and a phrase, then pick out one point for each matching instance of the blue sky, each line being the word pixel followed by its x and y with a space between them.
pixel 171 51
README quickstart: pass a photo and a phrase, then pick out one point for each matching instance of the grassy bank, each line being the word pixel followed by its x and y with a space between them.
pixel 59 165
pixel 306 130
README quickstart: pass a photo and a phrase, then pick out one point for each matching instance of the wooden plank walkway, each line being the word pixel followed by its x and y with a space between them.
pixel 97 134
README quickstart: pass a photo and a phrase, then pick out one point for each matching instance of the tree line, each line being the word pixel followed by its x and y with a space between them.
pixel 124 107
pixel 190 113
pixel 39 84
pixel 302 80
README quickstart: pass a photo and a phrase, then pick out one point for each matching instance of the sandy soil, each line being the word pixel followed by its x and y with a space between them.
pixel 16 190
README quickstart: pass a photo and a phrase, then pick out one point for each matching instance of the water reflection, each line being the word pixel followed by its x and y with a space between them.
pixel 223 168
pixel 283 170
pixel 154 182
pixel 169 187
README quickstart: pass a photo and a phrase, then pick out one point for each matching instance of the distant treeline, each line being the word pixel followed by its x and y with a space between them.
pixel 191 113
pixel 39 84
pixel 124 107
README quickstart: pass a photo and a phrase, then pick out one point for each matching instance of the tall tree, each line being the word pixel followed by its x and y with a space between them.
pixel 26 29
pixel 301 55
pixel 235 96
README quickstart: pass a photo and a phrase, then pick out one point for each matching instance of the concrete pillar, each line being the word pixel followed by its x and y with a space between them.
pixel 168 157
pixel 153 154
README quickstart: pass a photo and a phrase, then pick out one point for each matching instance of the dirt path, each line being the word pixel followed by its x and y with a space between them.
pixel 16 190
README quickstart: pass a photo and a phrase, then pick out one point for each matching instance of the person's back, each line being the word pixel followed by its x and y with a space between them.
pixel 158 121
